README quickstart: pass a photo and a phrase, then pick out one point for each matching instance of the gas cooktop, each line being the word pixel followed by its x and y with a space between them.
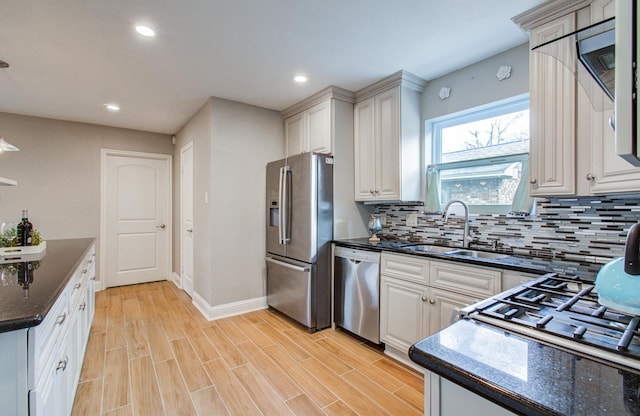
pixel 564 312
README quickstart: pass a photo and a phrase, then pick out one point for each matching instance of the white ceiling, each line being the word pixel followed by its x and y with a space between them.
pixel 69 57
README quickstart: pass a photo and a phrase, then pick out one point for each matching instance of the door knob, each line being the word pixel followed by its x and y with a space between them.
pixel 161 227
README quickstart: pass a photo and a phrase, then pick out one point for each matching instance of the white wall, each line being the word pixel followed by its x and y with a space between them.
pixel 233 142
pixel 58 171
pixel 197 130
pixel 477 84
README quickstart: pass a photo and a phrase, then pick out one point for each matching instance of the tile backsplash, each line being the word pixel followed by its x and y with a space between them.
pixel 584 229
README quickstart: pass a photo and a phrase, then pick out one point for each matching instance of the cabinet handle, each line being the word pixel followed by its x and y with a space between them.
pixel 371 191
pixel 590 177
pixel 533 181
pixel 612 121
pixel 93 278
pixel 83 306
pixel 424 298
pixel 61 319
pixel 77 286
pixel 432 301
pixel 62 364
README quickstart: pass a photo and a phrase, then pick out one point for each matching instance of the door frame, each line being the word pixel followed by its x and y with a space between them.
pixel 106 153
pixel 182 231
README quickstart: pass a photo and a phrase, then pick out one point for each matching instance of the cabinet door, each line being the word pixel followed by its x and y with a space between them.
pixel 318 128
pixel 444 308
pixel 553 113
pixel 294 134
pixel 403 313
pixel 50 397
pixel 388 145
pixel 364 150
pixel 609 172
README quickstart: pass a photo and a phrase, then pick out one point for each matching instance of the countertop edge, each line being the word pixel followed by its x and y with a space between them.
pixel 495 263
pixel 495 393
pixel 35 320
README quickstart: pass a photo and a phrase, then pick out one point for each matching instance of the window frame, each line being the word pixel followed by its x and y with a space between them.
pixel 494 109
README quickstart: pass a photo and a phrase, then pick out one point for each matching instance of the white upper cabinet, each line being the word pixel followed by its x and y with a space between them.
pixel 309 124
pixel 552 114
pixel 572 145
pixel 387 140
pixel 294 134
pixel 608 172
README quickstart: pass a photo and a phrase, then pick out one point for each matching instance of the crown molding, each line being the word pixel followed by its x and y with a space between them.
pixel 548 11
pixel 402 77
pixel 335 93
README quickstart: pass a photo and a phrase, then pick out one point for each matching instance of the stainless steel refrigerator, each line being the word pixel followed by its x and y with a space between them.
pixel 299 232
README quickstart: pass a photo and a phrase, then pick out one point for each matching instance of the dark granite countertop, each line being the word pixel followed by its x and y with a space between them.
pixel 525 376
pixel 583 270
pixel 21 309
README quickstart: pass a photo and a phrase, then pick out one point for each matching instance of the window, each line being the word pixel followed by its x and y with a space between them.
pixel 479 154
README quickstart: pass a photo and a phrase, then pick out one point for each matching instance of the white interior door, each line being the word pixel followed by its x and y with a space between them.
pixel 136 218
pixel 186 230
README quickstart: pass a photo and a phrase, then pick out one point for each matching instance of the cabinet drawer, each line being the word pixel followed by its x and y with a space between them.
pixel 44 338
pixel 468 280
pixel 410 268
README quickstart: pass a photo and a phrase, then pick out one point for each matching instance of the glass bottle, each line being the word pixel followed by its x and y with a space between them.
pixel 24 230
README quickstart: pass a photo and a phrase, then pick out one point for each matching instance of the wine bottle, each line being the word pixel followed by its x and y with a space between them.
pixel 24 230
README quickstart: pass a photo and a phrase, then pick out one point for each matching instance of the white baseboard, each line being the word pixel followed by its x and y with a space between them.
pixel 229 309
pixel 175 278
pixel 402 356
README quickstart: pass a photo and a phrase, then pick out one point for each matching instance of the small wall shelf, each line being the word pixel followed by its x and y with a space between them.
pixel 8 182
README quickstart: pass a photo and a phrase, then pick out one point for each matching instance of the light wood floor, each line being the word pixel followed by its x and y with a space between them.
pixel 151 352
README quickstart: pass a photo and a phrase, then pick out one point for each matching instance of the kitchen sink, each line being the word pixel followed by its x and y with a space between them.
pixel 479 254
pixel 428 248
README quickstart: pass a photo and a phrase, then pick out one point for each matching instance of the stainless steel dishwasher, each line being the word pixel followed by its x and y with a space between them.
pixel 357 292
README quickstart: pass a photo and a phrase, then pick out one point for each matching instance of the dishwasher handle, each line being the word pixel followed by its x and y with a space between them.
pixel 287 265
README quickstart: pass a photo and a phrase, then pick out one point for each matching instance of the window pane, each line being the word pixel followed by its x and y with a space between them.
pixel 495 136
pixel 492 185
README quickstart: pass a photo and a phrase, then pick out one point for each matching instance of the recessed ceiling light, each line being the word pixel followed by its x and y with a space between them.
pixel 112 107
pixel 300 79
pixel 145 31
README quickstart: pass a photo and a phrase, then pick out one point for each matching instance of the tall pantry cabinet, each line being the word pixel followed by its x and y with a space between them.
pixel 572 146
pixel 387 145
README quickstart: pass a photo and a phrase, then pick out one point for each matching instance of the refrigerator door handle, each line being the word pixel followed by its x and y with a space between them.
pixel 283 195
pixel 287 265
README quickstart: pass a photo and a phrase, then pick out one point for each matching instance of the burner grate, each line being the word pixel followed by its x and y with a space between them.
pixel 565 312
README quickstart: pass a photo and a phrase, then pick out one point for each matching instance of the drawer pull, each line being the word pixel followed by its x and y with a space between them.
pixel 61 319
pixel 93 278
pixel 424 298
pixel 77 286
pixel 62 364
pixel 84 271
pixel 83 306
pixel 432 301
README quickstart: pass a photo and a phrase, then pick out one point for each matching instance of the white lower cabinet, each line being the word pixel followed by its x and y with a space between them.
pixel 445 398
pixel 404 315
pixel 57 346
pixel 419 297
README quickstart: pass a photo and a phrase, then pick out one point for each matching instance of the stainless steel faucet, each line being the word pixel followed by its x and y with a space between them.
pixel 466 236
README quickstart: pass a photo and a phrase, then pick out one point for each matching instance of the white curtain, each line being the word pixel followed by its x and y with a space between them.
pixel 432 196
pixel 522 201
